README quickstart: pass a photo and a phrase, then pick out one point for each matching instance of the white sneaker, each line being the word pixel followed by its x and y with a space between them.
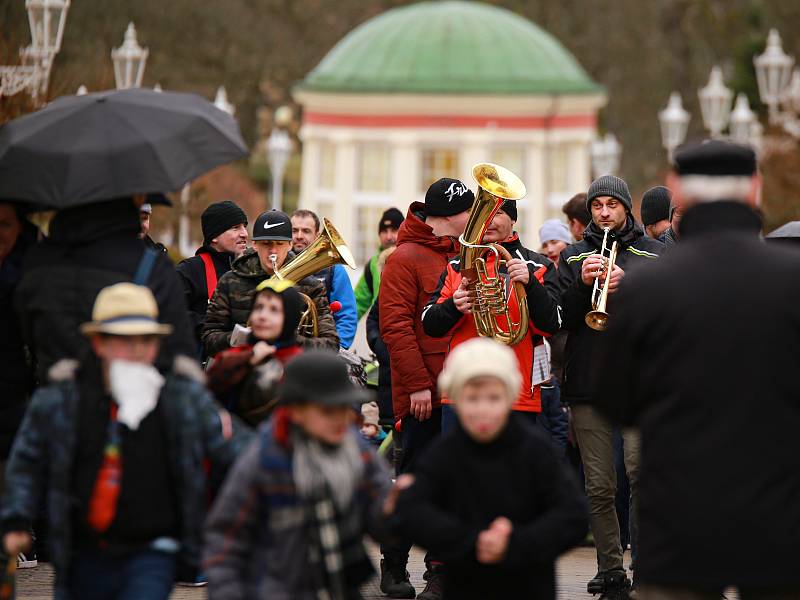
pixel 27 561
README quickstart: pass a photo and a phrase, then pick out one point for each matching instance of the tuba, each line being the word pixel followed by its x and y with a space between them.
pixel 490 303
pixel 597 318
pixel 327 250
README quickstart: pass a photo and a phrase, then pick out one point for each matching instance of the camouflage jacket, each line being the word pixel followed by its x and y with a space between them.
pixel 44 451
pixel 233 299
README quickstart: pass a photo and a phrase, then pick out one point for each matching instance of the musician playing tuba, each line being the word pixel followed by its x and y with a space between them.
pixel 527 280
pixel 229 308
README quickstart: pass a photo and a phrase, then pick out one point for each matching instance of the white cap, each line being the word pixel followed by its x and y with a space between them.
pixel 480 357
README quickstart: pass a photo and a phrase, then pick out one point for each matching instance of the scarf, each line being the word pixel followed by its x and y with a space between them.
pixel 326 479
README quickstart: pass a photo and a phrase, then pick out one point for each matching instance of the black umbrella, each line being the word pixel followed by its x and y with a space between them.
pixel 81 149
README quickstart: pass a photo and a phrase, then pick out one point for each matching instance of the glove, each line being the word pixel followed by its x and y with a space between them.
pixel 239 335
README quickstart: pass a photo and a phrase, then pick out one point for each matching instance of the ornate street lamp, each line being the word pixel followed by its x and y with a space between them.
pixel 47 19
pixel 129 61
pixel 605 153
pixel 773 70
pixel 715 103
pixel 742 119
pixel 221 101
pixel 791 95
pixel 279 148
pixel 674 120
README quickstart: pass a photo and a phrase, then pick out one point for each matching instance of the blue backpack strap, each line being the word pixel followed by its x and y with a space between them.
pixel 145 266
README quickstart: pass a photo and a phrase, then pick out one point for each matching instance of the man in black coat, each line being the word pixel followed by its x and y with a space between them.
pixel 17 235
pixel 702 357
pixel 91 247
pixel 225 238
pixel 580 264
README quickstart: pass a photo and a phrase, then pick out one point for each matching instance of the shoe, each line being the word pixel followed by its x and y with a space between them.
pixel 617 586
pixel 200 581
pixel 395 581
pixel 27 560
pixel 433 584
pixel 596 584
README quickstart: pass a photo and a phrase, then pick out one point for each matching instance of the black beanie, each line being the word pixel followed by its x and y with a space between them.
pixel 390 219
pixel 447 197
pixel 655 205
pixel 219 217
pixel 608 185
pixel 510 208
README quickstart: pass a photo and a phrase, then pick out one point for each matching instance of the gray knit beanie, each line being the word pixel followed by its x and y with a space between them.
pixel 608 185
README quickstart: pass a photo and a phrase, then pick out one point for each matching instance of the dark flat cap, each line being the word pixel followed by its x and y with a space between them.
pixel 715 158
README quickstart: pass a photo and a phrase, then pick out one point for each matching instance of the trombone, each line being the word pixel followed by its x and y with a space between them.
pixel 597 318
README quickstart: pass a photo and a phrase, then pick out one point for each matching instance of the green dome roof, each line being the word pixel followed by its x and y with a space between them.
pixel 450 47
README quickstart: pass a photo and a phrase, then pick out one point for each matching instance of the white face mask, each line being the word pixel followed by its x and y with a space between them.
pixel 135 388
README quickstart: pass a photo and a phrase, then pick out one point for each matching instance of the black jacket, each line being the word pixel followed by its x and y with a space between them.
pixel 635 249
pixel 89 248
pixel 378 346
pixel 462 486
pixel 703 354
pixel 16 364
pixel 193 276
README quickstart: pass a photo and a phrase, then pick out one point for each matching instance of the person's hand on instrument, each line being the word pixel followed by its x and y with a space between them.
pixel 462 298
pixel 518 271
pixel 617 274
pixel 593 267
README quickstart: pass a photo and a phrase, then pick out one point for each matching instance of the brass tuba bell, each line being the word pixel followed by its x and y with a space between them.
pixel 327 250
pixel 490 301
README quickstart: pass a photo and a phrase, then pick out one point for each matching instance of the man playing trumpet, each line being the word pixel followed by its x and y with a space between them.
pixel 582 265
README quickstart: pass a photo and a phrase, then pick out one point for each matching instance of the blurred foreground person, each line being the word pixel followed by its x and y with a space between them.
pixel 655 211
pixel 119 452
pixel 291 516
pixel 91 247
pixel 707 371
pixel 491 497
pixel 245 379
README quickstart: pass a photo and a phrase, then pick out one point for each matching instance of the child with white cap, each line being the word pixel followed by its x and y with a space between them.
pixel 491 497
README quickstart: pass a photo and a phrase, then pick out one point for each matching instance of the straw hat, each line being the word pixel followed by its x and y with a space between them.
pixel 125 309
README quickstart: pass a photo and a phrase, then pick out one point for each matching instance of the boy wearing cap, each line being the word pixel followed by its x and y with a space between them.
pixel 118 451
pixel 229 307
pixel 656 211
pixel 366 289
pixel 427 240
pixel 609 203
pixel 290 518
pixel 225 238
pixel 491 497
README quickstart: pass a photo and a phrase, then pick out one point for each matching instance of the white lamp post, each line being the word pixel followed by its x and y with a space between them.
pixel 674 120
pixel 221 101
pixel 279 148
pixel 773 70
pixel 791 95
pixel 605 153
pixel 47 19
pixel 742 119
pixel 129 61
pixel 715 103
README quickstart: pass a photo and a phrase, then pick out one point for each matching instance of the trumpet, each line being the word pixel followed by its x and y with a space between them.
pixel 597 318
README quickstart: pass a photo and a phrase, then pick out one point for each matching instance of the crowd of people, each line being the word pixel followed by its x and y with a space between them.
pixel 208 423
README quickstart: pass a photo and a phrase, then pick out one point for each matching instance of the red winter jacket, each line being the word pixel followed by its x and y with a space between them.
pixel 410 277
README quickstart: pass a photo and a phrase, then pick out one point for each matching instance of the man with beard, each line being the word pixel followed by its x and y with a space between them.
pixel 609 203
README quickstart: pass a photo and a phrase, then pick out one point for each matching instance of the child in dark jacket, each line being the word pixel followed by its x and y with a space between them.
pixel 290 518
pixel 491 497
pixel 245 378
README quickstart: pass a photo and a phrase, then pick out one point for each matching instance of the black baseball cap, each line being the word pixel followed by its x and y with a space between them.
pixel 320 377
pixel 273 225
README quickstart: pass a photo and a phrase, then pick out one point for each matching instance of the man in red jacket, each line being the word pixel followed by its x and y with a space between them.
pixel 427 240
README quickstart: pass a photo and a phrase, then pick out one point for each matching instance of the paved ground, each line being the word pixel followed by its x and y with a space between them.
pixel 574 570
